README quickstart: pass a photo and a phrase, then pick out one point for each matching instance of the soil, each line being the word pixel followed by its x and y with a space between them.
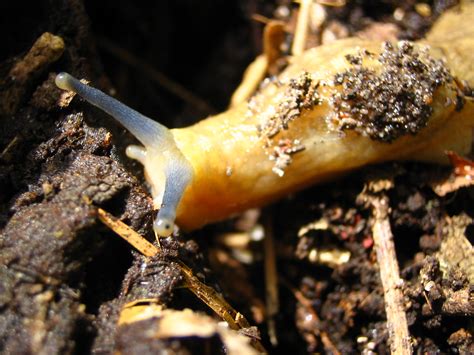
pixel 64 276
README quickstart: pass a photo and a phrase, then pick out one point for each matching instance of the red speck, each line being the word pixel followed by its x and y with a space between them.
pixel 368 242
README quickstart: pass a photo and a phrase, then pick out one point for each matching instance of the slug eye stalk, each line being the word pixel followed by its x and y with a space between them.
pixel 167 170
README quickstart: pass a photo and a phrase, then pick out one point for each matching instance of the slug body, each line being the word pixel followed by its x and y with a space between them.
pixel 319 119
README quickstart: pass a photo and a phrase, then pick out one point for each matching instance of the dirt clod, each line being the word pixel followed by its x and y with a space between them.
pixel 393 102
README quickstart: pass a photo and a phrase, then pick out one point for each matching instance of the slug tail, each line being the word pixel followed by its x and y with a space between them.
pixel 149 132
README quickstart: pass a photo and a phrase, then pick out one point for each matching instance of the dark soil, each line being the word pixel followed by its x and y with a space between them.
pixel 64 276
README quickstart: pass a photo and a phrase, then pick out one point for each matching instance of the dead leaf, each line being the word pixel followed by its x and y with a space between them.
pixel 187 323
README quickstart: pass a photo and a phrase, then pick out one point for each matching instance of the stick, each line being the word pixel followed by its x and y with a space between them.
pixel 329 346
pixel 205 293
pixel 127 233
pixel 397 325
pixel 301 31
pixel 271 282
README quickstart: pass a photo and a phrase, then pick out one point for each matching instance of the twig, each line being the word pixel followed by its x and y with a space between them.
pixel 397 325
pixel 127 233
pixel 205 293
pixel 301 31
pixel 307 304
pixel 271 282
pixel 253 76
pixel 10 145
pixel 273 37
pixel 333 3
pixel 161 79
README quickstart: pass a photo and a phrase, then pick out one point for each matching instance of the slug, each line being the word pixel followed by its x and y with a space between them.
pixel 335 108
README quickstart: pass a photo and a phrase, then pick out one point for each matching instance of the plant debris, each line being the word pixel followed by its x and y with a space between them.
pixel 462 175
pixel 397 325
pixel 208 295
pixel 157 327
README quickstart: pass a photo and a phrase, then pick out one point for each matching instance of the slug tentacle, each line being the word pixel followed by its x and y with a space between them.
pixel 167 170
pixel 146 130
pixel 178 177
pixel 136 152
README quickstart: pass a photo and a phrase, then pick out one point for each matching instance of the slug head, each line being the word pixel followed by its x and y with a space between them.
pixel 167 170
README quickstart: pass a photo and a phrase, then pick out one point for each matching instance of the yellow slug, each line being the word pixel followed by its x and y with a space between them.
pixel 335 108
